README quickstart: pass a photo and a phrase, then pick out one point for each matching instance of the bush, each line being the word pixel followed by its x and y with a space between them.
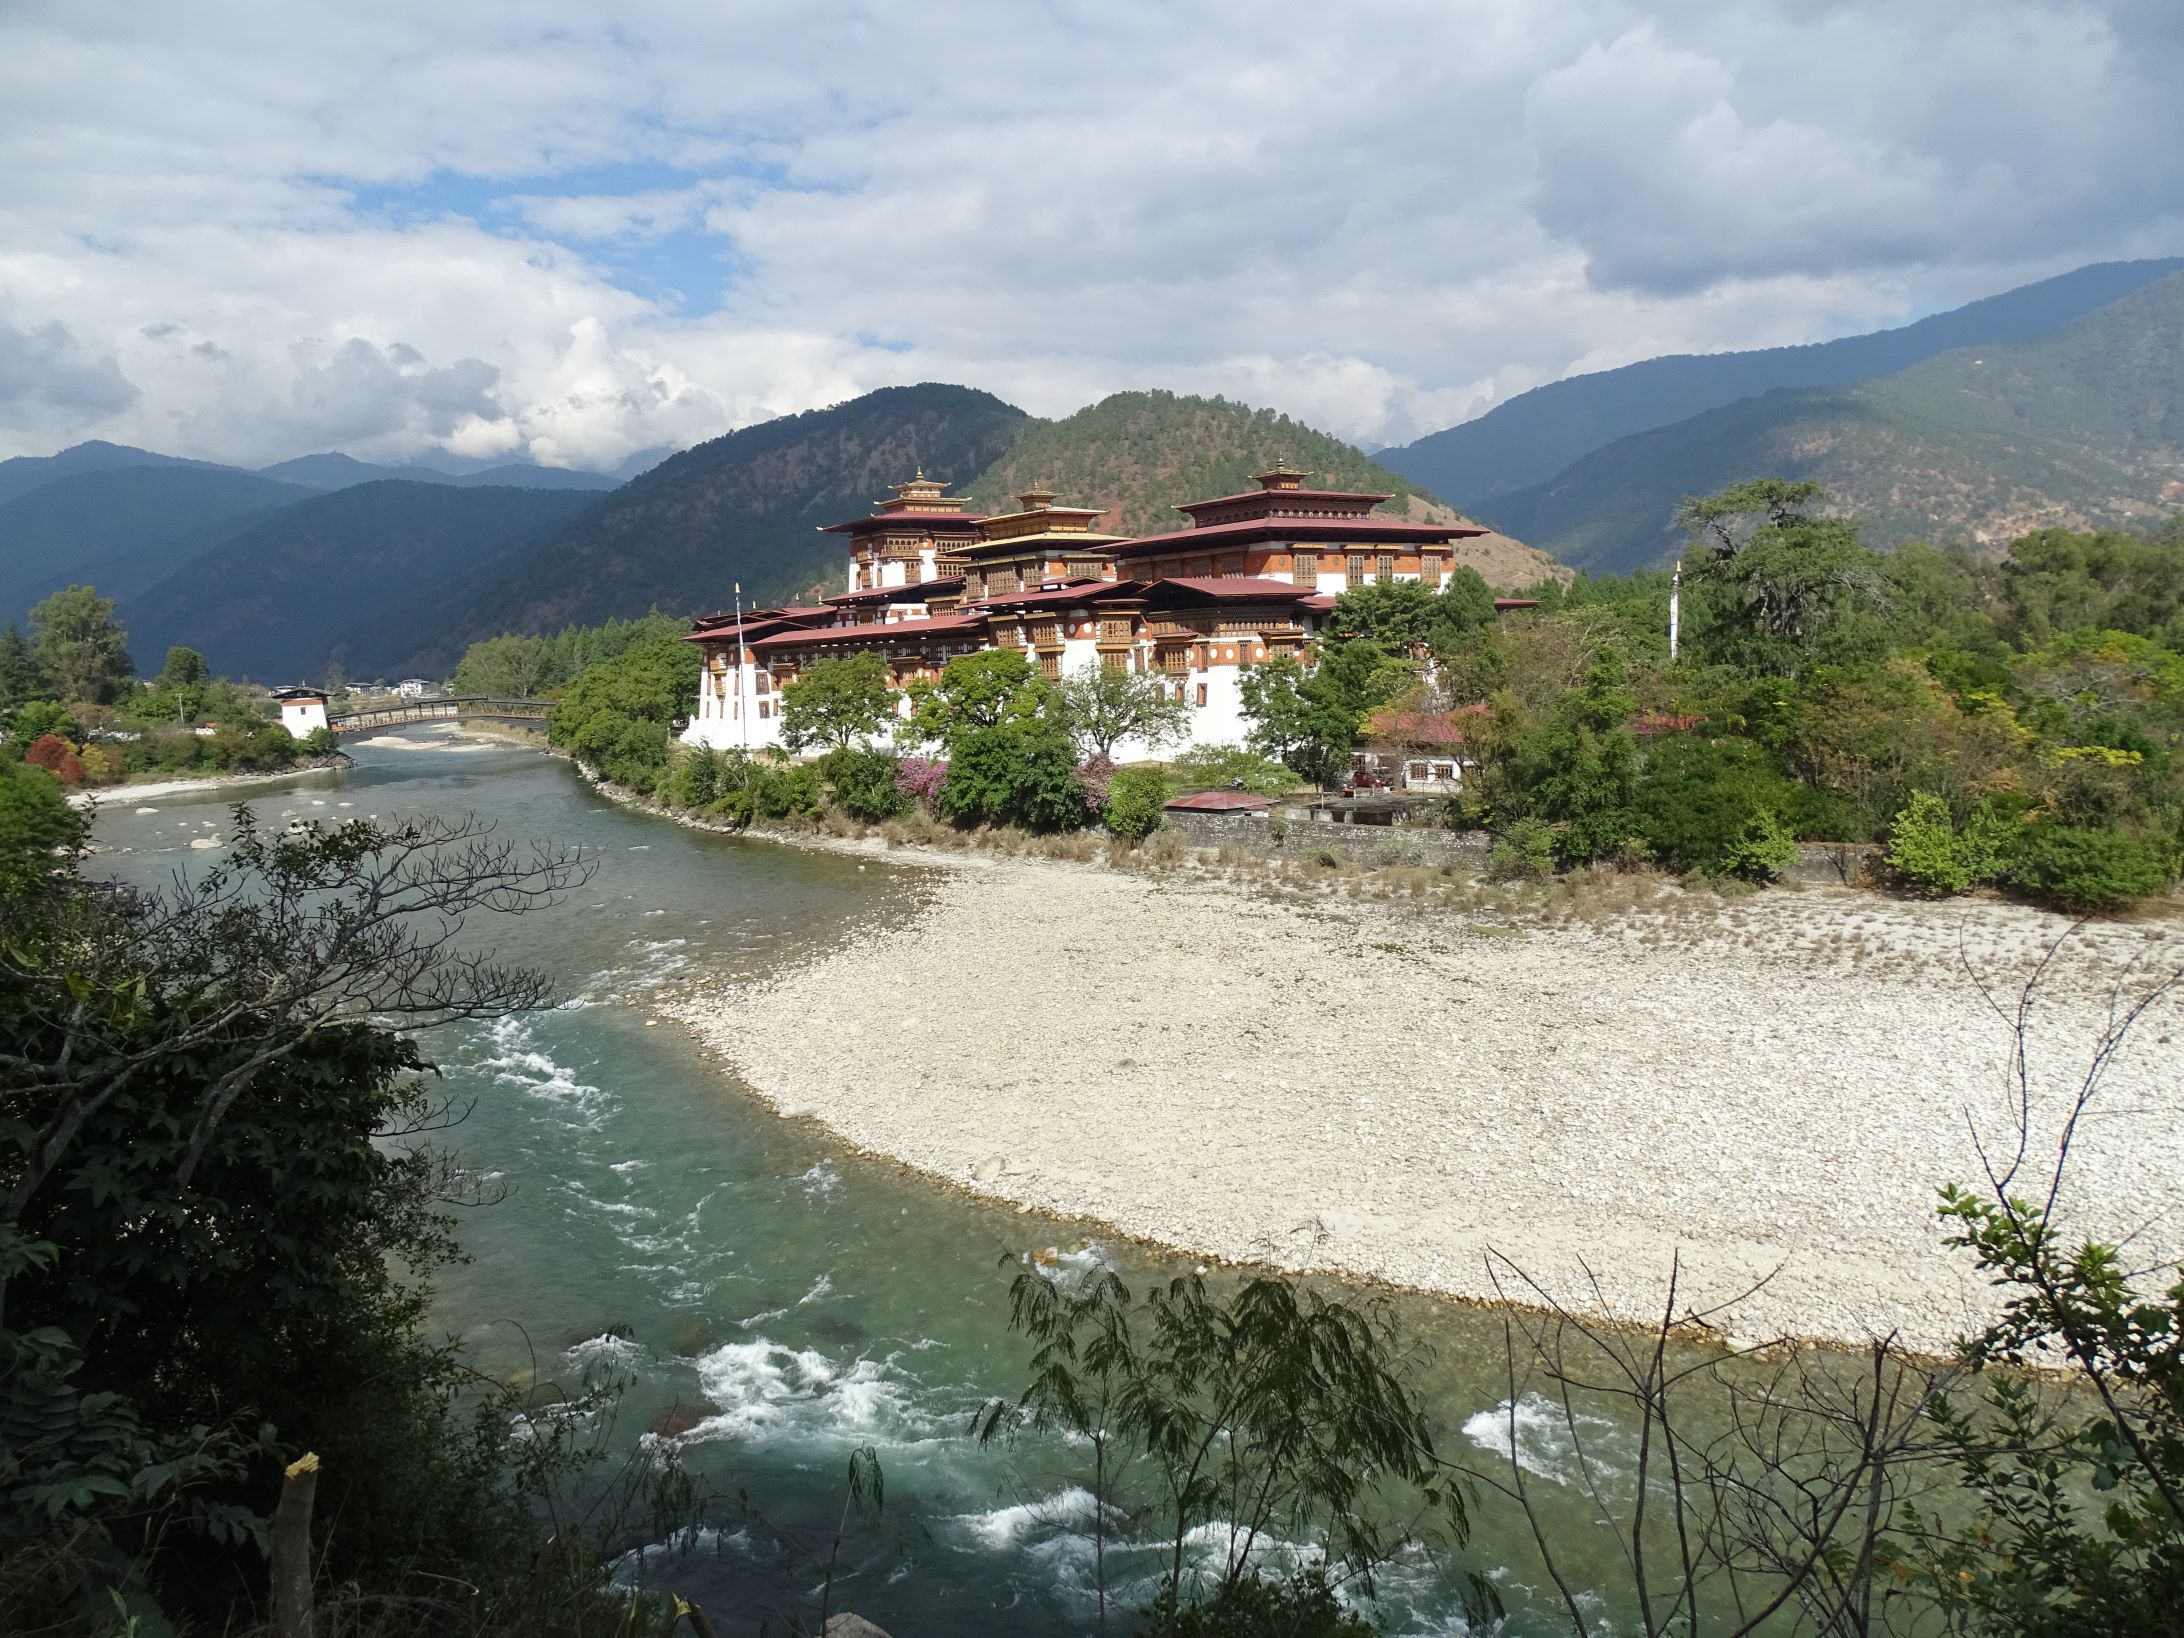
pixel 1524 852
pixel 866 784
pixel 788 791
pixel 320 742
pixel 1925 853
pixel 1015 773
pixel 1702 802
pixel 2073 868
pixel 57 757
pixel 1762 852
pixel 1134 800
pixel 1229 768
pixel 920 780
pixel 693 778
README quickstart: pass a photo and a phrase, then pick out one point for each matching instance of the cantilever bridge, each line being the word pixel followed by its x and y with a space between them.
pixel 400 713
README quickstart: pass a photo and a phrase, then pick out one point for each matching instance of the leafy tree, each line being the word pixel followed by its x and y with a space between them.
pixel 1107 705
pixel 693 779
pixel 504 668
pixel 618 716
pixel 1580 773
pixel 1410 617
pixel 1310 721
pixel 1135 797
pixel 1712 803
pixel 184 666
pixel 1789 574
pixel 837 702
pixel 39 830
pixel 79 646
pixel 982 690
pixel 1927 853
pixel 1021 771
pixel 22 678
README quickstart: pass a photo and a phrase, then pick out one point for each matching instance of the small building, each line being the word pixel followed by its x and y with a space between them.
pixel 303 710
pixel 415 688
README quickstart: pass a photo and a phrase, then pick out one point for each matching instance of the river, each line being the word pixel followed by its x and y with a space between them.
pixel 775 1299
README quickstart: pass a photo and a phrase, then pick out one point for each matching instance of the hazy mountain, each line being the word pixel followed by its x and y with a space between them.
pixel 20 474
pixel 356 574
pixel 1536 434
pixel 1138 453
pixel 2081 428
pixel 747 506
pixel 121 528
pixel 333 470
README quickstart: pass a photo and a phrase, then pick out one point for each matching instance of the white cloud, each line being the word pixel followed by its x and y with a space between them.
pixel 392 226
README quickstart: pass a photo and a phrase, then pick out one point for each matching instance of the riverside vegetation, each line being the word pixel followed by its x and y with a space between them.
pixel 2012 724
pixel 70 703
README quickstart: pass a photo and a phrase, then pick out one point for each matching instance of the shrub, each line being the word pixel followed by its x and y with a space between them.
pixel 1700 801
pixel 1093 774
pixel 789 791
pixel 1014 773
pixel 2073 868
pixel 920 779
pixel 57 757
pixel 104 765
pixel 1134 800
pixel 1229 768
pixel 1924 852
pixel 1762 852
pixel 866 784
pixel 693 778
pixel 1523 852
pixel 319 742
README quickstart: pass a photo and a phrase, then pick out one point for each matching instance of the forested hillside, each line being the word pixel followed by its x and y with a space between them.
pixel 1536 434
pixel 2083 428
pixel 745 507
pixel 353 576
pixel 1138 453
pixel 124 528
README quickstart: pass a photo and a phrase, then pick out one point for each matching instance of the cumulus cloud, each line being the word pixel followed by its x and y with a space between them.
pixel 403 225
pixel 47 374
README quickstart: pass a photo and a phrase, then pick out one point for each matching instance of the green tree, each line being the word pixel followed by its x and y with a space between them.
pixel 1311 720
pixel 1020 771
pixel 39 831
pixel 184 667
pixel 865 783
pixel 837 703
pixel 79 646
pixel 982 690
pixel 1786 574
pixel 1713 803
pixel 507 667
pixel 618 716
pixel 22 678
pixel 1107 705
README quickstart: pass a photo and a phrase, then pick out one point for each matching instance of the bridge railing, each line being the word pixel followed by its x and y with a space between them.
pixel 444 709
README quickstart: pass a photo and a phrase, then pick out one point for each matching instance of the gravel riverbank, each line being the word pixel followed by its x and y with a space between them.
pixel 1772 1086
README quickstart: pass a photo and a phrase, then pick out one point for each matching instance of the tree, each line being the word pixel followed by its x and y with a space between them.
pixel 184 666
pixel 618 717
pixel 1788 573
pixel 22 678
pixel 39 830
pixel 1135 798
pixel 1107 705
pixel 837 703
pixel 79 646
pixel 504 668
pixel 1310 720
pixel 981 690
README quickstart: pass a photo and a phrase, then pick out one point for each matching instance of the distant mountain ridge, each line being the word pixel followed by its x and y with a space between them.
pixel 1532 437
pixel 2083 428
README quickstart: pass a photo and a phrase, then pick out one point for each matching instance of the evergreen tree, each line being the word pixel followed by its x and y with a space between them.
pixel 79 645
pixel 21 676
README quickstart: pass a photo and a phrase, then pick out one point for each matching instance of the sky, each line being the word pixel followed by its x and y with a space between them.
pixel 569 232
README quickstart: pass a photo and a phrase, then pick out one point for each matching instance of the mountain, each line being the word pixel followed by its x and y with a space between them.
pixel 1536 434
pixel 333 470
pixel 354 575
pixel 745 507
pixel 20 474
pixel 2082 428
pixel 121 528
pixel 1138 453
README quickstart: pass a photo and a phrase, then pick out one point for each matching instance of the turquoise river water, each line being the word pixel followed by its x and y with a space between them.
pixel 776 1299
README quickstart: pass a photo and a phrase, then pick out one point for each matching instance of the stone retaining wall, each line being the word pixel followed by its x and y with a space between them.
pixel 1293 833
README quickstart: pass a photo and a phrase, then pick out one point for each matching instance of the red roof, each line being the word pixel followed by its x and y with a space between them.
pixel 1277 497
pixel 1077 591
pixel 1236 588
pixel 1221 802
pixel 721 628
pixel 875 631
pixel 918 592
pixel 1502 605
pixel 1662 722
pixel 1359 529
pixel 1424 727
pixel 954 523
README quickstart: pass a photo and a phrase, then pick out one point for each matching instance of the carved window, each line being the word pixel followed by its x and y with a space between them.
pixel 1384 569
pixel 1305 569
pixel 1357 569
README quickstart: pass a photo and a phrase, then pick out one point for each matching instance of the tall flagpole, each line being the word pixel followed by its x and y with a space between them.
pixel 1675 610
pixel 743 708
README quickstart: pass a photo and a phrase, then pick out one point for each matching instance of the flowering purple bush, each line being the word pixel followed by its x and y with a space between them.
pixel 920 780
pixel 1093 773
